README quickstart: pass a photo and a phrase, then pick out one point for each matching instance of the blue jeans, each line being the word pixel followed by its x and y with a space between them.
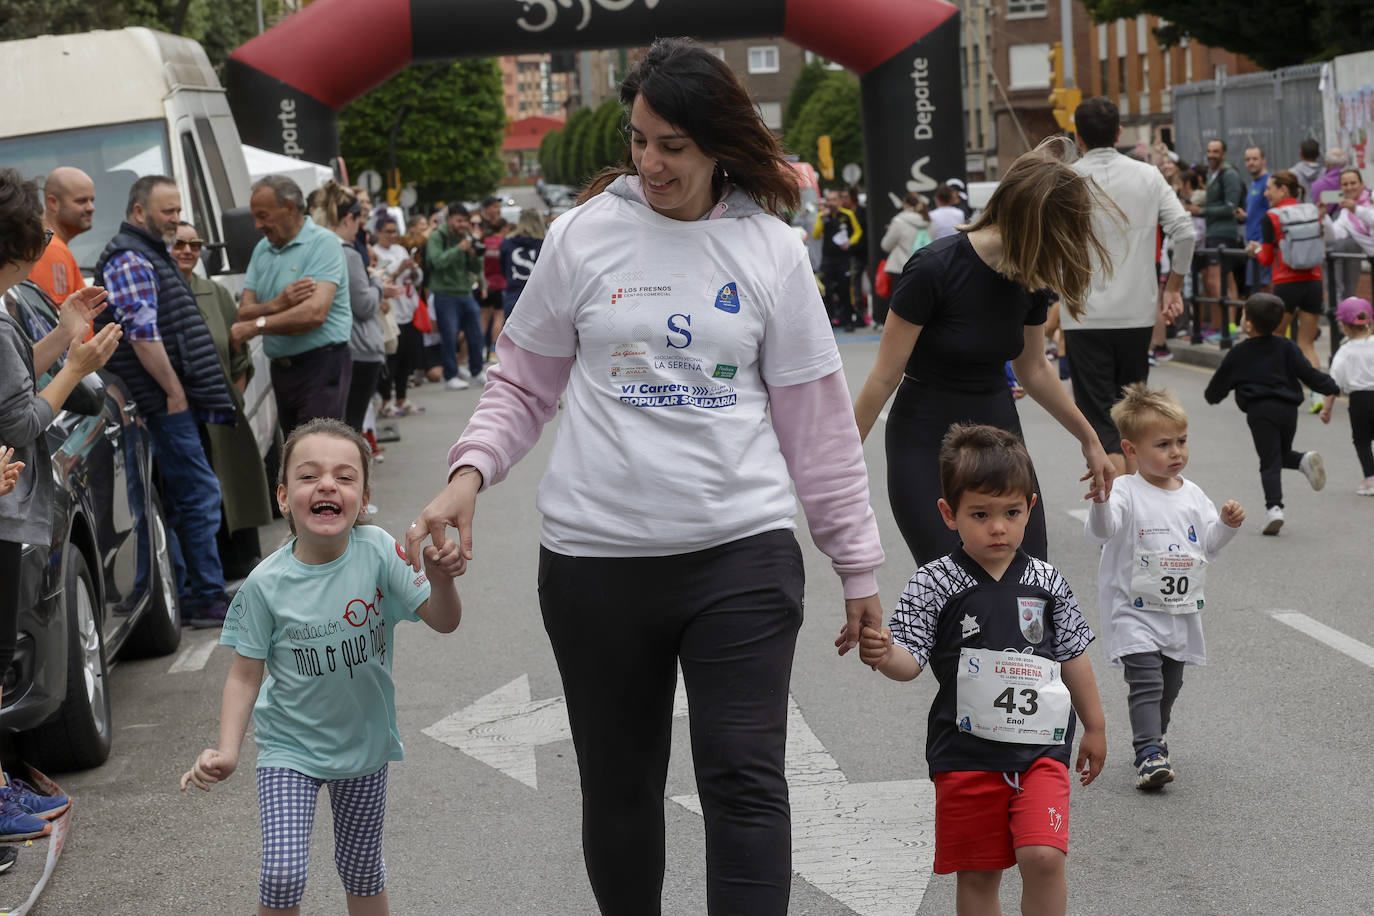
pixel 450 312
pixel 191 501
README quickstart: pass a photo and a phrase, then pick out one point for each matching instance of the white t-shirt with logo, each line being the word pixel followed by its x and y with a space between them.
pixel 664 444
pixel 1144 523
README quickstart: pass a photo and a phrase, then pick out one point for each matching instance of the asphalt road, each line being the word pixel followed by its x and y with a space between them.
pixel 1269 813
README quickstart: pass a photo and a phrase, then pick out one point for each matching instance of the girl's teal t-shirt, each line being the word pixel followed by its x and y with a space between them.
pixel 328 706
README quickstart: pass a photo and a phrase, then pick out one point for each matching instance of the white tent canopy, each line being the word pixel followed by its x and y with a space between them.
pixel 308 175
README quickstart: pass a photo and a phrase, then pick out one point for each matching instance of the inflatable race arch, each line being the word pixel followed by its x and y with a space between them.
pixel 287 85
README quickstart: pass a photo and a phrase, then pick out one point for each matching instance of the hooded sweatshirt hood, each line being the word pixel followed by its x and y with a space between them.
pixel 916 220
pixel 1308 172
pixel 733 203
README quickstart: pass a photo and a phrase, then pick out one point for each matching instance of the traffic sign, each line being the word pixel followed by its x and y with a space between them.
pixel 370 181
pixel 851 173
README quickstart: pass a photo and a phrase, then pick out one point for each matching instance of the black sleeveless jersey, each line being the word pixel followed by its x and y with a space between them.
pixel 951 604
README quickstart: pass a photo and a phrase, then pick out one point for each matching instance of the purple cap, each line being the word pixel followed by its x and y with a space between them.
pixel 1354 311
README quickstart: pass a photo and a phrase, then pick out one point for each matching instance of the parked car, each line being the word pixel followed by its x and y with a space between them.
pixel 81 603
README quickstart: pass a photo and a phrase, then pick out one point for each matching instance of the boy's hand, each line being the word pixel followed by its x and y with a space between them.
pixel 874 646
pixel 448 562
pixel 1092 752
pixel 211 766
pixel 1232 514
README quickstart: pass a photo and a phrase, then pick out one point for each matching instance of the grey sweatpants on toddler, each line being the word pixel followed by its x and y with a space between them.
pixel 1153 680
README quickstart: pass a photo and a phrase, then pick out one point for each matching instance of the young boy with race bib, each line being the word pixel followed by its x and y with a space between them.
pixel 319 615
pixel 1004 636
pixel 1158 532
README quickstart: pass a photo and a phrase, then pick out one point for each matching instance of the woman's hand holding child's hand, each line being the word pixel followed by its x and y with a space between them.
pixel 874 646
pixel 448 562
pixel 1232 514
pixel 212 766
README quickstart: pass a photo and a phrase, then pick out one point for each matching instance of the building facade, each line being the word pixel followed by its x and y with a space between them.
pixel 533 88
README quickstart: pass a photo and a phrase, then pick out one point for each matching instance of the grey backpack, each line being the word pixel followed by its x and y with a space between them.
pixel 1301 246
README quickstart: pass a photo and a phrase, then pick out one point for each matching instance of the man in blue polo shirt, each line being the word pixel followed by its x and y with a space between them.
pixel 1256 205
pixel 295 295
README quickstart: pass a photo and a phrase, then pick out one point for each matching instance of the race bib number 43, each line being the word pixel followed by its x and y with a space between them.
pixel 1011 696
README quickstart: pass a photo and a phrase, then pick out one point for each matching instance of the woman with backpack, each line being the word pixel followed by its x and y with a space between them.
pixel 1292 244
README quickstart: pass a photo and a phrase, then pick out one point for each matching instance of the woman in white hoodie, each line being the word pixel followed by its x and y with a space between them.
pixel 900 239
pixel 680 321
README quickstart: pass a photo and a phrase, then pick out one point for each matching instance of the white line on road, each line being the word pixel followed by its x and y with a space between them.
pixel 1361 652
pixel 194 656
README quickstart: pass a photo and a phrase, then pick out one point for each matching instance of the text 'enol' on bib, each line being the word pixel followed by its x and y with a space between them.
pixel 1168 581
pixel 1011 696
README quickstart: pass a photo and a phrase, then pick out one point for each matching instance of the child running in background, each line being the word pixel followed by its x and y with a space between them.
pixel 319 615
pixel 1353 369
pixel 1159 532
pixel 1267 373
pixel 1004 636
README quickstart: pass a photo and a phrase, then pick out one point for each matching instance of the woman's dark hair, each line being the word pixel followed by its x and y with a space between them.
pixel 693 90
pixel 1289 182
pixel 21 219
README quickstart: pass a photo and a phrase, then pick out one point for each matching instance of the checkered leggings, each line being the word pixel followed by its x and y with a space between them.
pixel 287 800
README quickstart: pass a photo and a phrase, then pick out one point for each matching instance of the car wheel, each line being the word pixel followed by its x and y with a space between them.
pixel 159 631
pixel 78 737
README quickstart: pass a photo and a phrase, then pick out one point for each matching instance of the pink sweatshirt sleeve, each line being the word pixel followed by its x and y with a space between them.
pixel 521 396
pixel 814 423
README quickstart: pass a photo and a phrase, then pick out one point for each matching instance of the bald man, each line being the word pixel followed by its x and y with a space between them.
pixel 68 204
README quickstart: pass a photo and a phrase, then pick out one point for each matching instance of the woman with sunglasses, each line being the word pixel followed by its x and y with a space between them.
pixel 233 449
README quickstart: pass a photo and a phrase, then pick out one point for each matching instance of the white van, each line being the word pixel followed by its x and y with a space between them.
pixel 123 104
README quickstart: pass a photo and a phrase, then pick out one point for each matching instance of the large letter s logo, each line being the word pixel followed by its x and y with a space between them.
pixel 674 329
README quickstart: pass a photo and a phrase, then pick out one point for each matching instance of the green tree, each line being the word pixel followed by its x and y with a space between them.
pixel 1272 33
pixel 833 109
pixel 811 76
pixel 610 119
pixel 549 152
pixel 570 160
pixel 449 142
pixel 219 25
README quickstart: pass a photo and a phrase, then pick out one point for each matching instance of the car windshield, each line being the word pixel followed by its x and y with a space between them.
pixel 114 155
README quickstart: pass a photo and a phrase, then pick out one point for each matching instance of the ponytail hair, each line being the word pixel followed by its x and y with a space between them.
pixel 331 202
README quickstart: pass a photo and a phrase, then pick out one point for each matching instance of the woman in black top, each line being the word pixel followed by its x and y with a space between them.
pixel 962 307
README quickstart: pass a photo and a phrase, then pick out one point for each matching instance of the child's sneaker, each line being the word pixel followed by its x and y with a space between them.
pixel 1273 519
pixel 48 807
pixel 1152 769
pixel 16 823
pixel 1162 353
pixel 7 858
pixel 1314 469
pixel 1366 488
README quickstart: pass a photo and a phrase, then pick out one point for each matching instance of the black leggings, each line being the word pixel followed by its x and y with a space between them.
pixel 1273 424
pixel 1362 428
pixel 918 420
pixel 620 627
pixel 408 357
pixel 9 602
pixel 360 390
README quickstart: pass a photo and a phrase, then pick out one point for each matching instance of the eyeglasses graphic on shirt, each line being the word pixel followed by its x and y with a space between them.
pixel 194 244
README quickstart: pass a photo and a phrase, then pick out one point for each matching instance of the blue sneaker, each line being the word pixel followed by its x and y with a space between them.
pixel 16 823
pixel 1152 768
pixel 48 807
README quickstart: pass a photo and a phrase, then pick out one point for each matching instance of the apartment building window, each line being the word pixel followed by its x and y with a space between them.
pixel 771 112
pixel 1028 9
pixel 763 59
pixel 718 52
pixel 1030 66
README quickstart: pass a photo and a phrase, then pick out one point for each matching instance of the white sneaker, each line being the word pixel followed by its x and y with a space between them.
pixel 1366 488
pixel 1273 519
pixel 455 384
pixel 463 373
pixel 1314 469
pixel 480 379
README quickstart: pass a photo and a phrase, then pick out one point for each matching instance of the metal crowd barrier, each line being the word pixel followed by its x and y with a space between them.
pixel 1228 257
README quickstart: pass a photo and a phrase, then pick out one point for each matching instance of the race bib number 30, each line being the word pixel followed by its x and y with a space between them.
pixel 1012 697
pixel 1168 581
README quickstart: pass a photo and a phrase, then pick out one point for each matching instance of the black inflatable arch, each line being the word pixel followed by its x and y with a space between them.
pixel 287 85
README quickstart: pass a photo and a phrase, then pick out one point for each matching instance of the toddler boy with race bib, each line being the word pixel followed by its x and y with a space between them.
pixel 1004 636
pixel 1158 532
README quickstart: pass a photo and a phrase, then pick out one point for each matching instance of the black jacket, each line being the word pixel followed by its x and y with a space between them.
pixel 1266 367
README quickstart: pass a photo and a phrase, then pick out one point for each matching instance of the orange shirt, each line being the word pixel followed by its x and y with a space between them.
pixel 57 272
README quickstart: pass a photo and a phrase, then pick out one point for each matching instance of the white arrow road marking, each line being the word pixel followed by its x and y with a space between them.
pixel 870 846
pixel 1361 652
pixel 503 728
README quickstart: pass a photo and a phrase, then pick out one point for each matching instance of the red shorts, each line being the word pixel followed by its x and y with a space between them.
pixel 981 819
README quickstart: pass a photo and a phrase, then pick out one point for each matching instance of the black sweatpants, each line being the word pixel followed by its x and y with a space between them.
pixel 361 387
pixel 1362 428
pixel 839 303
pixel 1273 424
pixel 619 628
pixel 1102 361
